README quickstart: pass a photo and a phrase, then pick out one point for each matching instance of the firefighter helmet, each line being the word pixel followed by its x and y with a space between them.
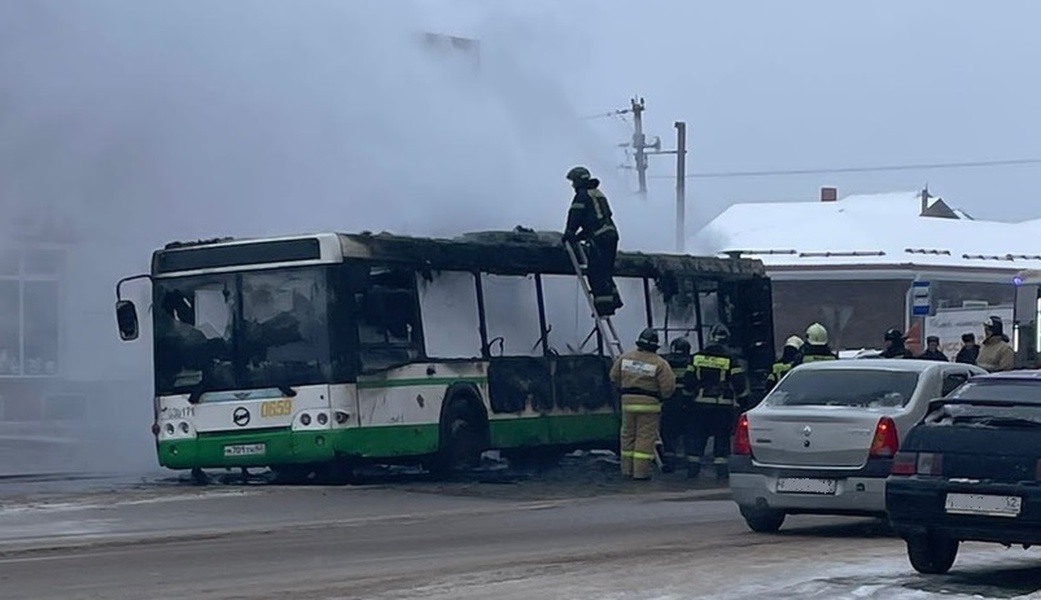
pixel 680 346
pixel 994 326
pixel 648 340
pixel 579 174
pixel 719 334
pixel 794 342
pixel 817 335
pixel 894 335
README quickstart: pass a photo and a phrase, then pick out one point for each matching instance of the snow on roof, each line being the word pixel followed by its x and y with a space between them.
pixel 869 229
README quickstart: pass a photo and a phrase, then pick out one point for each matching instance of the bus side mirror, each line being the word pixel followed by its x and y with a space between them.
pixel 126 319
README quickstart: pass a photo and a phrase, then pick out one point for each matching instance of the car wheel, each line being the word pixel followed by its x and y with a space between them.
pixel 932 554
pixel 763 520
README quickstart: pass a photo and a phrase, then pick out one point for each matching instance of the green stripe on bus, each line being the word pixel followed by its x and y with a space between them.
pixel 419 381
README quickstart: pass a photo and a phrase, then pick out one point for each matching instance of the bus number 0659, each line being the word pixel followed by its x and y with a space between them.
pixel 276 408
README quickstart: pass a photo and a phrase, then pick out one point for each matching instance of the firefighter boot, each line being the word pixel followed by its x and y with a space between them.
pixel 722 471
pixel 693 469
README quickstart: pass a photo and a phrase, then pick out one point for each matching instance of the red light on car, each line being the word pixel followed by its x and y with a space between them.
pixel 904 463
pixel 742 440
pixel 886 442
pixel 930 464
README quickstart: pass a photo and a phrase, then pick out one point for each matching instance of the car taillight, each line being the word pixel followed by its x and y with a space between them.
pixel 904 463
pixel 742 440
pixel 886 442
pixel 929 464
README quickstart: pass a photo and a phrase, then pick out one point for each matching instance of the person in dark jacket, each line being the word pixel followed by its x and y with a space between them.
pixel 589 219
pixel 791 357
pixel 720 384
pixel 969 350
pixel 895 348
pixel 676 410
pixel 932 350
pixel 816 346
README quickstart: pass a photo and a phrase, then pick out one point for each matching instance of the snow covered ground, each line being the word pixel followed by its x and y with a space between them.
pixel 454 542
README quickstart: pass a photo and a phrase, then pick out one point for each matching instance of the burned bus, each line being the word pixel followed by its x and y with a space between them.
pixel 331 350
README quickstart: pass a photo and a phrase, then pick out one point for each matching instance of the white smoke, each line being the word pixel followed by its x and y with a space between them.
pixel 143 122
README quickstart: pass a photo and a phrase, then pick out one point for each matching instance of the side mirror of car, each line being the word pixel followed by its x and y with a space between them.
pixel 126 320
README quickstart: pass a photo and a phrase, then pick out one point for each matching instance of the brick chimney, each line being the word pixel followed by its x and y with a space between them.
pixel 829 194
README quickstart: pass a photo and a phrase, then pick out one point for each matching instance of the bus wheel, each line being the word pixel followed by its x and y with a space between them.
pixel 461 440
pixel 199 477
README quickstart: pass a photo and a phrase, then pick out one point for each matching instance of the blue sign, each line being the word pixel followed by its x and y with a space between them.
pixel 920 299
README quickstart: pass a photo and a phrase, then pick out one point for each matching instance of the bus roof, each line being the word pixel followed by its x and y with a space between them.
pixel 516 252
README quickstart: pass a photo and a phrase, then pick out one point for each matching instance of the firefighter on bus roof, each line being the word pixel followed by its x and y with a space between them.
pixel 589 219
pixel 645 380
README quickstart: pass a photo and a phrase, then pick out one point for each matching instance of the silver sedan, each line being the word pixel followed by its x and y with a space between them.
pixel 823 440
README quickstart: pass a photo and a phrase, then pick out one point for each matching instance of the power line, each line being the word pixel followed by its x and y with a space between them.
pixel 878 169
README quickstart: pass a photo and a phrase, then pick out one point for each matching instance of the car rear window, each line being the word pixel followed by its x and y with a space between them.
pixel 1018 392
pixel 868 388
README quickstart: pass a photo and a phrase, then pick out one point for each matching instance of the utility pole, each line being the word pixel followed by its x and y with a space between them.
pixel 681 185
pixel 639 143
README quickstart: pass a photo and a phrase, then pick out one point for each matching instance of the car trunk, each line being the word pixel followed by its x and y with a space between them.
pixel 819 436
pixel 1006 454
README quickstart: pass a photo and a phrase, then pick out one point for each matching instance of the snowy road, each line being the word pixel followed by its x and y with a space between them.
pixel 385 542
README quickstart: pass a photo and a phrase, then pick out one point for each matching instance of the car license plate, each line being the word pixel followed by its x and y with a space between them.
pixel 244 450
pixel 806 486
pixel 982 504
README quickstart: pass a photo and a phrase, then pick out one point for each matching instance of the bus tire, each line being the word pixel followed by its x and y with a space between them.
pixel 463 434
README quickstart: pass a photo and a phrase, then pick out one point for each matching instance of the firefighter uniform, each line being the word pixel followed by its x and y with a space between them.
pixel 791 357
pixel 589 219
pixel 645 380
pixel 722 386
pixel 816 347
pixel 676 411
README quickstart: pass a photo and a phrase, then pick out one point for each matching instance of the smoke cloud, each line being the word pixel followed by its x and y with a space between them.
pixel 143 122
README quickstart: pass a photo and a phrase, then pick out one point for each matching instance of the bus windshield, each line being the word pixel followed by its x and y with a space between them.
pixel 234 331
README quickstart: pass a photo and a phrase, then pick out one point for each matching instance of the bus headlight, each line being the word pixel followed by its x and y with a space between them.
pixel 170 429
pixel 341 417
pixel 323 418
pixel 184 427
pixel 305 419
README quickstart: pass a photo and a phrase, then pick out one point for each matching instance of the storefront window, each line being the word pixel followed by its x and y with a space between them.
pixel 29 312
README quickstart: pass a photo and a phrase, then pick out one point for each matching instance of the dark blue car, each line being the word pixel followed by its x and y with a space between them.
pixel 970 471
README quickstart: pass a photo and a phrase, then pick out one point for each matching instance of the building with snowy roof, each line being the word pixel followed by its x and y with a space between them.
pixel 849 263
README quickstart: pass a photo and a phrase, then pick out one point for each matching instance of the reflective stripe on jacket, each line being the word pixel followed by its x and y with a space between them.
pixel 644 379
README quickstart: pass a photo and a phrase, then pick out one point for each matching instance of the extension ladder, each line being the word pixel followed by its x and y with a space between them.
pixel 580 261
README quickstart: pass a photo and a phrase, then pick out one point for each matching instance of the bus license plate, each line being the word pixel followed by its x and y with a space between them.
pixel 244 450
pixel 806 486
pixel 981 504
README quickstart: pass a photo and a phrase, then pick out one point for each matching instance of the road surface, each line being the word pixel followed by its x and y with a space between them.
pixel 457 541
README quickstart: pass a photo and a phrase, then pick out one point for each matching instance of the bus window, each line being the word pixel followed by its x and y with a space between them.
pixel 567 315
pixel 677 319
pixel 631 319
pixel 451 321
pixel 512 312
pixel 388 319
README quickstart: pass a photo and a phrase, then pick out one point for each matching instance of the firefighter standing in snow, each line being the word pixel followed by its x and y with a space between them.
pixel 589 219
pixel 676 411
pixel 721 386
pixel 645 380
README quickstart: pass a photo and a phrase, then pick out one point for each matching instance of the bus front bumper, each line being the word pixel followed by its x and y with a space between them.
pixel 235 449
